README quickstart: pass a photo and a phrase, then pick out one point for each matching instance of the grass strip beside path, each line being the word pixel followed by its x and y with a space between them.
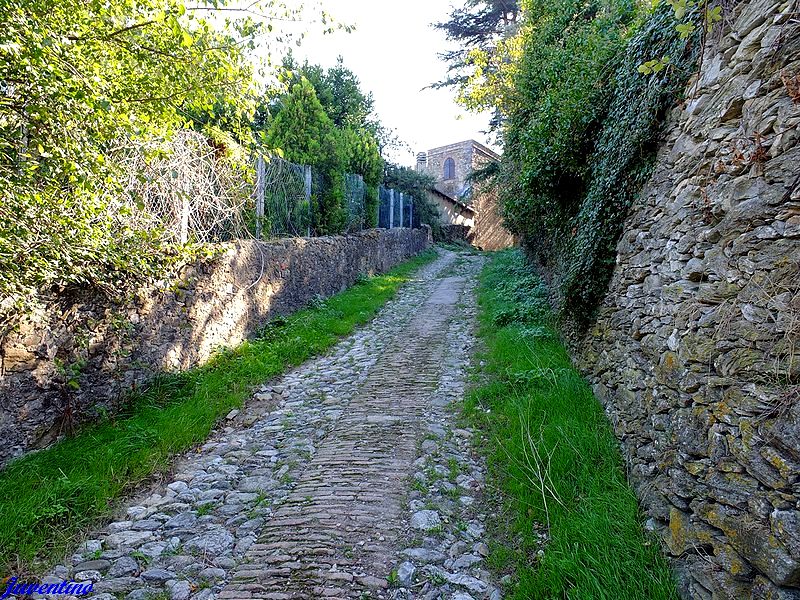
pixel 49 498
pixel 554 459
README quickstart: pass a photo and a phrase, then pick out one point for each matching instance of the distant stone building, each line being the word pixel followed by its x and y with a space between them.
pixel 454 212
pixel 461 202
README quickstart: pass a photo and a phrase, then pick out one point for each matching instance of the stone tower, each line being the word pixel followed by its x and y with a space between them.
pixel 450 165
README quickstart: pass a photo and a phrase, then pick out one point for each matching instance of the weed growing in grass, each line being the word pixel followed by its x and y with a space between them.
pixel 436 529
pixel 419 486
pixel 261 500
pixel 454 493
pixel 48 498
pixel 554 457
pixel 174 551
pixel 432 474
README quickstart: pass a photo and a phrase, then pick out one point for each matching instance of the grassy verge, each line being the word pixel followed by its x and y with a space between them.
pixel 49 498
pixel 554 457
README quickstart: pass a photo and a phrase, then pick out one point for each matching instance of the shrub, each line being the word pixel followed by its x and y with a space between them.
pixel 623 158
pixel 78 80
pixel 581 139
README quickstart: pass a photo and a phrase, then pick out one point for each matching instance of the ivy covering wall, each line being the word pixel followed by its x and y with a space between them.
pixel 582 132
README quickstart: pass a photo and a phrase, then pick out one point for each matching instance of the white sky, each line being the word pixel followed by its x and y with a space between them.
pixel 394 54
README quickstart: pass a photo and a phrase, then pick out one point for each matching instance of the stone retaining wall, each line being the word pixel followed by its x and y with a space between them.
pixel 212 304
pixel 696 351
pixel 450 234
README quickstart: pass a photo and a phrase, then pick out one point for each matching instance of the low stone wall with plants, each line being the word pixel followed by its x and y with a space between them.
pixel 73 360
pixel 695 349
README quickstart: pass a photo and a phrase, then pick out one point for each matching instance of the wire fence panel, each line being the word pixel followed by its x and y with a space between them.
pixel 317 188
pixel 395 209
pixel 287 208
pixel 384 207
pixel 186 189
pixel 189 190
pixel 355 200
pixel 408 212
pixel 399 201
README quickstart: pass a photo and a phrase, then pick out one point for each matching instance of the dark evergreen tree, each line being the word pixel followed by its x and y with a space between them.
pixel 477 24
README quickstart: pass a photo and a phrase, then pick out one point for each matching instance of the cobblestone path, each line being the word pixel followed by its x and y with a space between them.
pixel 345 478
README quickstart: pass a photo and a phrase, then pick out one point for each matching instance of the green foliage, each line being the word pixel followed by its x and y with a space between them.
pixel 623 158
pixel 371 203
pixel 525 294
pixel 554 459
pixel 483 63
pixel 49 498
pixel 362 155
pixel 339 91
pixel 70 373
pixel 81 79
pixel 326 121
pixel 348 106
pixel 581 136
pixel 306 135
pixel 564 87
pixel 418 186
pixel 302 129
pixel 50 241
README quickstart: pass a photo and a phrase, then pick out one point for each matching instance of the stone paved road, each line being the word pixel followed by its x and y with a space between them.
pixel 346 478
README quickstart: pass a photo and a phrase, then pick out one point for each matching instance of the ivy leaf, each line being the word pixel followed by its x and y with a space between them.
pixel 654 66
pixel 685 29
pixel 713 15
pixel 680 7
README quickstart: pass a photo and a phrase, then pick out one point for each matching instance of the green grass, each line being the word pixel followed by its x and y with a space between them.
pixel 547 431
pixel 49 498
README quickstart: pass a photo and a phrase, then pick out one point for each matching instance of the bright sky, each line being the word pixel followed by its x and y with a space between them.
pixel 394 53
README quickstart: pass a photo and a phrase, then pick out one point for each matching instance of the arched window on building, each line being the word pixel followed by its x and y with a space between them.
pixel 449 169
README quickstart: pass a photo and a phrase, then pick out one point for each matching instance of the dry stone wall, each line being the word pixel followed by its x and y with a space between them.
pixel 212 304
pixel 696 351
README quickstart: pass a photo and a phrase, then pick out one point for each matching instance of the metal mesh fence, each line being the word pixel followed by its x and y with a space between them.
pixel 191 191
pixel 408 212
pixel 384 207
pixel 286 207
pixel 355 196
pixel 396 209
pixel 186 189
